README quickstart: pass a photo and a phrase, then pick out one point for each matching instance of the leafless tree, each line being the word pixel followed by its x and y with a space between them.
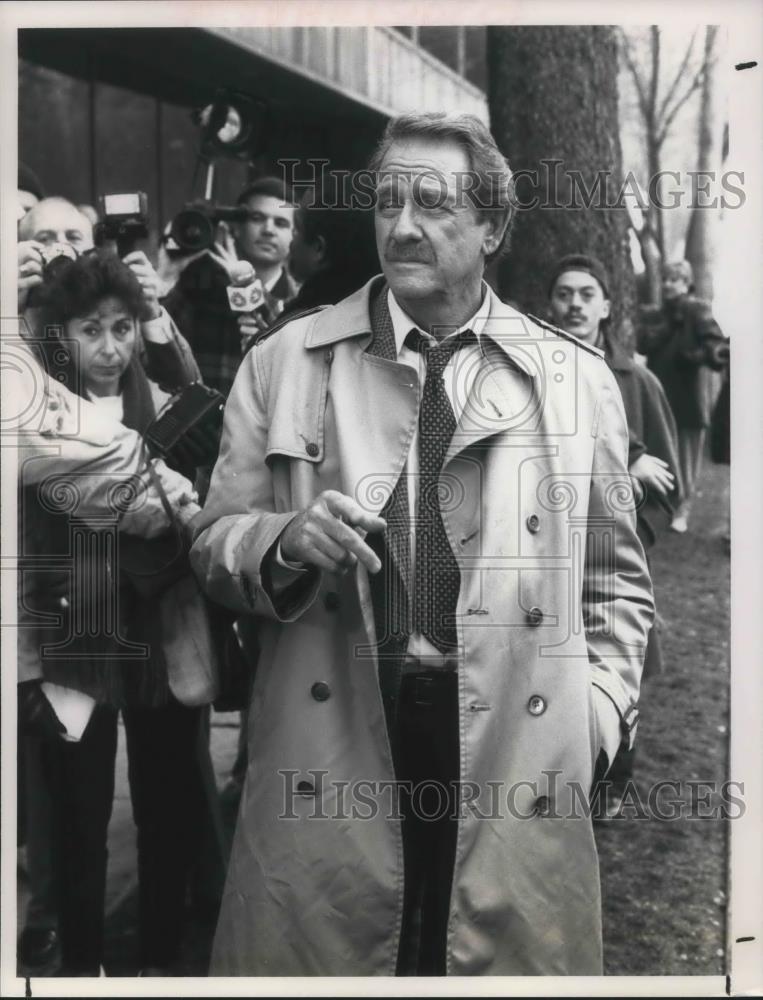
pixel 659 104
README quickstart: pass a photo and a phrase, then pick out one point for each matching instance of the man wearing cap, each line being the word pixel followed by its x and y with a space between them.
pixel 681 341
pixel 422 498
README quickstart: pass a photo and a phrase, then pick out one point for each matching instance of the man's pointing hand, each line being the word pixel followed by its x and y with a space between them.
pixel 329 534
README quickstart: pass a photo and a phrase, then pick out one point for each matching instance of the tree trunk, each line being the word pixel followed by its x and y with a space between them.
pixel 703 226
pixel 552 94
pixel 650 251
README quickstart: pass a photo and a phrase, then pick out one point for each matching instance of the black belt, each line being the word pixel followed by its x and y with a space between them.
pixel 427 689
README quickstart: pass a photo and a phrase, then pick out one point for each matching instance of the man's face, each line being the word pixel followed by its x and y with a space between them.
pixel 431 240
pixel 54 220
pixel 265 238
pixel 674 285
pixel 578 304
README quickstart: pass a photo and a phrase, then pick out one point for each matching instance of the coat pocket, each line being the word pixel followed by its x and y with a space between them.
pixel 296 426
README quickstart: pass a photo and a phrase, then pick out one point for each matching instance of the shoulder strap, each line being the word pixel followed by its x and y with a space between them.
pixel 157 484
pixel 281 322
pixel 597 352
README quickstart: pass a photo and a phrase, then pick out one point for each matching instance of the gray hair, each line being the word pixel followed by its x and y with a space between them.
pixel 492 188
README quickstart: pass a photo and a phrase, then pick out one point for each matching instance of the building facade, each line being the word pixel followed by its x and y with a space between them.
pixel 107 110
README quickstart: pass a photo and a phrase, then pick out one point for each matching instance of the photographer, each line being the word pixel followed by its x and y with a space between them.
pixel 199 303
pixel 54 228
pixel 73 681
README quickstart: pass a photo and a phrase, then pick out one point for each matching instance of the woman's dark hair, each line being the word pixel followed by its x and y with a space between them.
pixel 348 234
pixel 75 287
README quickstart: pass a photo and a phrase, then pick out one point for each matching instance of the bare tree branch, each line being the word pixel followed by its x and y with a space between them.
pixel 669 118
pixel 640 86
pixel 678 77
pixel 655 80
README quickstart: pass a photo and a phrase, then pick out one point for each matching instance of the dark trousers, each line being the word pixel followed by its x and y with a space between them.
pixel 35 822
pixel 168 803
pixel 75 788
pixel 427 756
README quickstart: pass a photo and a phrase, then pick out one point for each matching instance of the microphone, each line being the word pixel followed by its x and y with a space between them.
pixel 246 293
pixel 247 297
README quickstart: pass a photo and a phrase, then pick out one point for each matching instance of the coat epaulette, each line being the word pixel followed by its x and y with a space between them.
pixel 597 352
pixel 279 323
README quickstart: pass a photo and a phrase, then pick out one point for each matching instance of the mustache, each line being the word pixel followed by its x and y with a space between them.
pixel 407 252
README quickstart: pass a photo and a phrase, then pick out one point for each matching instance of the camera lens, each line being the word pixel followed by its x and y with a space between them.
pixel 192 230
pixel 55 257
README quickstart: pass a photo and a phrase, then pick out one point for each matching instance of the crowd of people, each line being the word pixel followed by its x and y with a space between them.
pixel 381 628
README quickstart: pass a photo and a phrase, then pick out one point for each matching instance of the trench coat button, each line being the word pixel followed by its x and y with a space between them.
pixel 534 616
pixel 332 601
pixel 329 356
pixel 64 602
pixel 320 691
pixel 542 805
pixel 312 449
pixel 536 705
pixel 305 788
pixel 533 524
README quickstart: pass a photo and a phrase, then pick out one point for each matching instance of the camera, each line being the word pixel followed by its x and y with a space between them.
pixel 195 225
pixel 54 256
pixel 233 125
pixel 124 220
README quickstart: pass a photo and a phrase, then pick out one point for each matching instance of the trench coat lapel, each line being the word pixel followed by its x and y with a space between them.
pixel 505 395
pixel 375 402
pixel 375 398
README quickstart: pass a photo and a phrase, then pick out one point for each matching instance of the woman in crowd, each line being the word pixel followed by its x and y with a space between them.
pixel 680 340
pixel 89 644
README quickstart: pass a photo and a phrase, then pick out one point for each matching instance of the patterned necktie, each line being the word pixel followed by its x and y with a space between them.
pixel 437 579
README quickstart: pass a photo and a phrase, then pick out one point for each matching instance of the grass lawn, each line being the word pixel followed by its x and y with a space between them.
pixel 664 882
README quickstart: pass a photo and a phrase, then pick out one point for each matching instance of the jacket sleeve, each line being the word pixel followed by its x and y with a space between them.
pixel 69 448
pixel 168 358
pixel 650 329
pixel 636 447
pixel 707 338
pixel 237 532
pixel 660 428
pixel 618 608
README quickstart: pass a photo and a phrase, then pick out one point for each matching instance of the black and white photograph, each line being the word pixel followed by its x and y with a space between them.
pixel 380 600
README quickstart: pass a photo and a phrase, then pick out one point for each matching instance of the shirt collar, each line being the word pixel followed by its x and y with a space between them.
pixel 270 285
pixel 402 323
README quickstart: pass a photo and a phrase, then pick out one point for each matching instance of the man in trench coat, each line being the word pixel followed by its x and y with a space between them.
pixel 505 673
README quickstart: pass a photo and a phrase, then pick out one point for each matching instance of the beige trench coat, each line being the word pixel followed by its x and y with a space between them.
pixel 555 602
